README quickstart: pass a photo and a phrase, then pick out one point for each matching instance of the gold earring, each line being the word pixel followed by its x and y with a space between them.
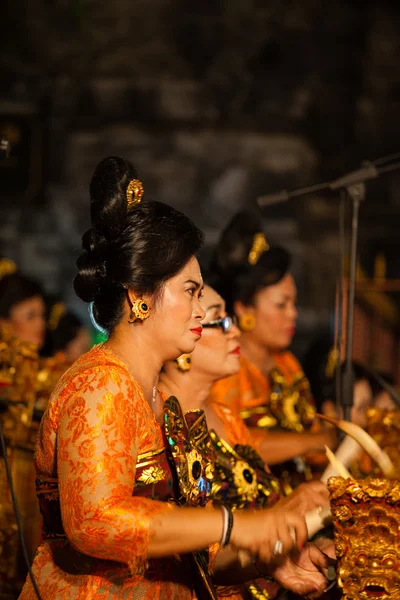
pixel 247 322
pixel 184 362
pixel 139 311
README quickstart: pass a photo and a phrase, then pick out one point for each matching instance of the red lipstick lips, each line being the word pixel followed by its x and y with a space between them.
pixel 236 350
pixel 197 331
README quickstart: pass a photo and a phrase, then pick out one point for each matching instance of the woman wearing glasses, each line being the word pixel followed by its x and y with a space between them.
pixel 241 479
pixel 270 391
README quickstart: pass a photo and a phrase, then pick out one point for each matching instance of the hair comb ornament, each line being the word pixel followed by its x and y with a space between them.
pixel 134 192
pixel 7 267
pixel 57 312
pixel 260 245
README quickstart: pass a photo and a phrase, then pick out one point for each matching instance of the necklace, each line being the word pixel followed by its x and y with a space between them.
pixel 154 393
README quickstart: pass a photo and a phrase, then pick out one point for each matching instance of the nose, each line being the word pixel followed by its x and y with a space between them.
pixel 198 311
pixel 294 313
pixel 234 332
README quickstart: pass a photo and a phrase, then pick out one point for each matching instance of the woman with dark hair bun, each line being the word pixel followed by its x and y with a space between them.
pixel 270 391
pixel 121 473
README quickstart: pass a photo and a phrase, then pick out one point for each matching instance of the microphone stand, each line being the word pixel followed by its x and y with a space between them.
pixel 353 184
pixel 356 194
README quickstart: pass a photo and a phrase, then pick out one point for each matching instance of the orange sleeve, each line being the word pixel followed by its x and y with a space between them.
pixel 98 439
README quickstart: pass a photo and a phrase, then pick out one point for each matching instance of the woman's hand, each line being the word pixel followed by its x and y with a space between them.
pixel 304 573
pixel 306 497
pixel 266 534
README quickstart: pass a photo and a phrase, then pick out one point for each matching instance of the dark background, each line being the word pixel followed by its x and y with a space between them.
pixel 215 102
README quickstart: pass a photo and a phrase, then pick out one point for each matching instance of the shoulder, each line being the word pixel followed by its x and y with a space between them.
pixel 96 375
pixel 288 363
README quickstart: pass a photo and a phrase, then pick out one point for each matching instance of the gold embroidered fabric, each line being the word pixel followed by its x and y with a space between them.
pixel 282 401
pixel 95 428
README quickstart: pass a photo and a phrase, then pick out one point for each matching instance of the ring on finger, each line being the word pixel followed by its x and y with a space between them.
pixel 278 547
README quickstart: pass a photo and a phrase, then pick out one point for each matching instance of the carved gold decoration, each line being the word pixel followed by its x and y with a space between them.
pixel 366 519
pixel 260 245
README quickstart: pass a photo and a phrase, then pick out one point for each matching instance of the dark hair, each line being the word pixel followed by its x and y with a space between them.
pixel 67 329
pixel 231 273
pixel 140 248
pixel 16 288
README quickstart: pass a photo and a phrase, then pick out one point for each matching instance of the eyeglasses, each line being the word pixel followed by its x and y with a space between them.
pixel 226 323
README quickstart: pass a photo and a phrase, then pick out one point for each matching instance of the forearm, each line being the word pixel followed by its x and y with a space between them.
pixel 277 447
pixel 184 530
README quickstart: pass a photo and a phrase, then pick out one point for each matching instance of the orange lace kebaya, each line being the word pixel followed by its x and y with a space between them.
pixel 97 431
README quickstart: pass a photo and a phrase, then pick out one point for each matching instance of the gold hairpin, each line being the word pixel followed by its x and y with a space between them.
pixel 260 245
pixel 59 309
pixel 134 192
pixel 7 267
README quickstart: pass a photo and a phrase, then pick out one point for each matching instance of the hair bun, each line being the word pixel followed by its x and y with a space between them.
pixel 92 268
pixel 108 187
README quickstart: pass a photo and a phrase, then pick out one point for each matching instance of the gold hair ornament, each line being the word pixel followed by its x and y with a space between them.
pixel 134 192
pixel 7 267
pixel 57 311
pixel 260 245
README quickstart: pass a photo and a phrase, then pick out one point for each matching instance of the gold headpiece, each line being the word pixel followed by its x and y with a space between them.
pixel 260 245
pixel 134 192
pixel 7 267
pixel 56 313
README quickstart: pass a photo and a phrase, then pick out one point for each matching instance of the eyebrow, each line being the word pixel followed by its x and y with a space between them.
pixel 196 283
pixel 217 306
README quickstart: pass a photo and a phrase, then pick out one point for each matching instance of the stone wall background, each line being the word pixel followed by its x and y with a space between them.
pixel 215 102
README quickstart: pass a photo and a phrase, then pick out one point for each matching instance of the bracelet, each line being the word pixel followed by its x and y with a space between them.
pixel 227 526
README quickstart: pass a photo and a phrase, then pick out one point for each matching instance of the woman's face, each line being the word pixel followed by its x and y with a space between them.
pixel 28 320
pixel 275 312
pixel 78 346
pixel 175 322
pixel 217 354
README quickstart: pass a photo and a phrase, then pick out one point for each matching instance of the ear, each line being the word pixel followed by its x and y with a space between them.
pixel 241 309
pixel 132 296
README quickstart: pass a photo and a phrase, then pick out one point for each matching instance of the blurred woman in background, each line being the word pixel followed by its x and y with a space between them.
pixel 22 305
pixel 270 392
pixel 67 334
